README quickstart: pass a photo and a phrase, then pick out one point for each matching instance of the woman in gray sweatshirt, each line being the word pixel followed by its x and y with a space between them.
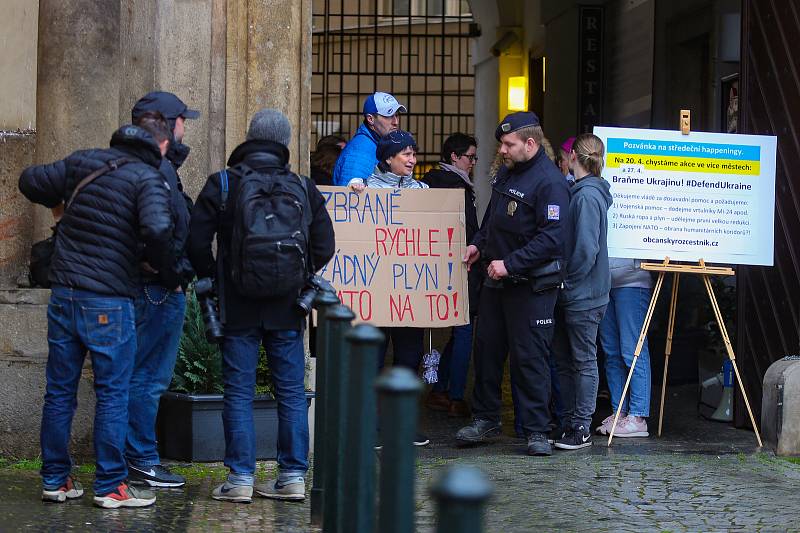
pixel 619 333
pixel 397 156
pixel 583 300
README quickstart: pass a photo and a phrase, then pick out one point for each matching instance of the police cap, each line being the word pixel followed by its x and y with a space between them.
pixel 516 121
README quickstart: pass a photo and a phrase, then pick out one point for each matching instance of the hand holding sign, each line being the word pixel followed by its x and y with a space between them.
pixel 471 255
pixel 397 259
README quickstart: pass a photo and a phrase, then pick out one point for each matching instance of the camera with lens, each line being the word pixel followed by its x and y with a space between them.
pixel 206 297
pixel 314 284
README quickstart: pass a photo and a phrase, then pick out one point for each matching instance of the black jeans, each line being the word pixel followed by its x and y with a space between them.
pixel 406 347
pixel 516 321
pixel 575 351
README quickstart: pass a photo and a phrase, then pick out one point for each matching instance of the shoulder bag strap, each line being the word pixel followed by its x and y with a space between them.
pixel 108 167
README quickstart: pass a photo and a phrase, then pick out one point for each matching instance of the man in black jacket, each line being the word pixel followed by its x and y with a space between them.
pixel 522 237
pixel 95 277
pixel 455 172
pixel 160 306
pixel 276 322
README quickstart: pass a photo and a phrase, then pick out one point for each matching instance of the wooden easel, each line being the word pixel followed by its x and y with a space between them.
pixel 705 271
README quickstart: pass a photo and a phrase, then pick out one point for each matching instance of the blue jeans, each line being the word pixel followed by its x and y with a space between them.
pixel 159 324
pixel 575 351
pixel 77 322
pixel 454 363
pixel 286 360
pixel 619 333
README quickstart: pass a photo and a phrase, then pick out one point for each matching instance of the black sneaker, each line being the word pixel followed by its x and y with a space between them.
pixel 479 431
pixel 555 434
pixel 421 440
pixel 575 439
pixel 538 445
pixel 155 476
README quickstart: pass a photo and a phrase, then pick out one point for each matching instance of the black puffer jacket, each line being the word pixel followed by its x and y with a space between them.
pixel 98 238
pixel 208 220
pixel 181 275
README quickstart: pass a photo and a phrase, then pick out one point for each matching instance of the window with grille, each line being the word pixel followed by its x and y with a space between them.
pixel 417 50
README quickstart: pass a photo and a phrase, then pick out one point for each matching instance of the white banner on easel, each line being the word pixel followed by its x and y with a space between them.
pixel 704 196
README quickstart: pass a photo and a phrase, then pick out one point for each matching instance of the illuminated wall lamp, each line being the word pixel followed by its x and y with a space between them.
pixel 518 93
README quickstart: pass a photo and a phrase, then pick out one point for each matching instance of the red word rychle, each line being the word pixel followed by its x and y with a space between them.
pixel 403 242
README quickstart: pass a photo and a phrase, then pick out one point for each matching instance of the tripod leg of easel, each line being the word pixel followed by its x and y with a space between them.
pixel 673 304
pixel 729 348
pixel 637 351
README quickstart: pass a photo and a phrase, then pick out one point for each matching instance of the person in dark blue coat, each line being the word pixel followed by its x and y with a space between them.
pixel 160 306
pixel 455 172
pixel 521 245
pixel 95 277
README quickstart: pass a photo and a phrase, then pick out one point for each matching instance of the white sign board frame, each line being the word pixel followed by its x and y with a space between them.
pixel 704 196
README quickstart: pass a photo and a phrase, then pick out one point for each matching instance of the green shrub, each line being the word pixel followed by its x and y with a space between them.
pixel 198 369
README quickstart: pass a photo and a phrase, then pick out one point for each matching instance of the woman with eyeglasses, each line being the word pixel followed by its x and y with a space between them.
pixel 455 172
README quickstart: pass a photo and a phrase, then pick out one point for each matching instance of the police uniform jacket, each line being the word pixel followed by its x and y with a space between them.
pixel 526 223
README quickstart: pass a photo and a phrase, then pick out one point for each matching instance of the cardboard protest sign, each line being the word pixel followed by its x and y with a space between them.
pixel 398 255
pixel 704 196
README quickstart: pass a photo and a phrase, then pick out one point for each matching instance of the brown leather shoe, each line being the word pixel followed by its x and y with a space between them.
pixel 459 409
pixel 437 401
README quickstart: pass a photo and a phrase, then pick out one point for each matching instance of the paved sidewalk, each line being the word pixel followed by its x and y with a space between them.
pixel 700 476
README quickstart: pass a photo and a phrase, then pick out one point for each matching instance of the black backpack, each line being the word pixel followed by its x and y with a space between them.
pixel 267 255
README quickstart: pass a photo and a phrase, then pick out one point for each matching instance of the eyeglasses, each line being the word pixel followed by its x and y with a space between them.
pixel 472 157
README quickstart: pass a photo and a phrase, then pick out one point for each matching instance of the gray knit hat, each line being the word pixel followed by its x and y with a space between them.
pixel 270 125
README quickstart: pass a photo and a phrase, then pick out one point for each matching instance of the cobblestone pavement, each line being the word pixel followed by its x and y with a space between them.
pixel 699 477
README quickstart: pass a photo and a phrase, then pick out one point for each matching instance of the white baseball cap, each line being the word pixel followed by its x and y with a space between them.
pixel 383 104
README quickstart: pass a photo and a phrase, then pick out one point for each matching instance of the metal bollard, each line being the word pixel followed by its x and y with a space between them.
pixel 461 493
pixel 399 390
pixel 337 370
pixel 366 343
pixel 322 302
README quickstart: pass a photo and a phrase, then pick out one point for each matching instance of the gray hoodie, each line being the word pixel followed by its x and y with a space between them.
pixel 588 279
pixel 390 180
pixel 626 273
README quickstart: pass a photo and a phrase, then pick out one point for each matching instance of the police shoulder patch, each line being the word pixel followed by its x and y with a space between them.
pixel 553 212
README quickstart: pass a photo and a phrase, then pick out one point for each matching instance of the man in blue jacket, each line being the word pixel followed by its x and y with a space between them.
pixel 358 160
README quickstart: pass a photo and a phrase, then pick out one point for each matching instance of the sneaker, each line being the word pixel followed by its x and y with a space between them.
pixel 154 476
pixel 480 430
pixel 233 493
pixel 70 490
pixel 294 490
pixel 555 434
pixel 575 439
pixel 538 445
pixel 125 496
pixel 605 425
pixel 437 401
pixel 421 440
pixel 458 409
pixel 631 426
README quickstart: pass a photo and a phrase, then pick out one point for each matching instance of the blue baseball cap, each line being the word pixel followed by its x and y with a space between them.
pixel 383 104
pixel 165 103
pixel 516 121
pixel 393 143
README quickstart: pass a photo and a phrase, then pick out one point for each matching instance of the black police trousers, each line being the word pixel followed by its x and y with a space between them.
pixel 514 320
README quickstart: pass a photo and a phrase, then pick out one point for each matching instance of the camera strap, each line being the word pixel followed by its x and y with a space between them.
pixel 224 188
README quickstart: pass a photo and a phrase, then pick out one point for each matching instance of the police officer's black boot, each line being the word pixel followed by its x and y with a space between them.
pixel 538 444
pixel 480 430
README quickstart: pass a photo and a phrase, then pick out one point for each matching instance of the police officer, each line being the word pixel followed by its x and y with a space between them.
pixel 520 244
